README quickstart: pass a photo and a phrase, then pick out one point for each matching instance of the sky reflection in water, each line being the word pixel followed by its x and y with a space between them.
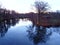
pixel 22 33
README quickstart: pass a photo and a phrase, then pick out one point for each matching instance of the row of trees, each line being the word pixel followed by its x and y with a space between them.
pixel 7 14
pixel 40 6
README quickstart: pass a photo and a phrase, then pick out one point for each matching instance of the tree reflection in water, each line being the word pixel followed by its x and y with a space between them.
pixel 39 35
pixel 4 25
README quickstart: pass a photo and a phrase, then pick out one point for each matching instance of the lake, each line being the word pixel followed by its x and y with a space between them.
pixel 21 32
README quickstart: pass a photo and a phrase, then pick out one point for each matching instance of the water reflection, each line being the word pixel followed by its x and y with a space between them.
pixel 35 35
pixel 38 35
pixel 3 29
pixel 5 25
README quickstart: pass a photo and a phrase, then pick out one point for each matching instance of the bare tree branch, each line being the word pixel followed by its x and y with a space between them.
pixel 41 6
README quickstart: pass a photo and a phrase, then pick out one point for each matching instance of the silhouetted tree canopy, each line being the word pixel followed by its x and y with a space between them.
pixel 41 6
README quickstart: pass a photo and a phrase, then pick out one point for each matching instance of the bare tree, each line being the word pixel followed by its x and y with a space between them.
pixel 41 6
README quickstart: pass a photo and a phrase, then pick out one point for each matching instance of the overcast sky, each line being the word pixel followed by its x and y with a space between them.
pixel 23 6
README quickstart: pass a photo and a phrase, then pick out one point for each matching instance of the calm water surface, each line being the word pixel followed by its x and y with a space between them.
pixel 18 32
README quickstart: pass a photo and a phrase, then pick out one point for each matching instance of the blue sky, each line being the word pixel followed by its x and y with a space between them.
pixel 23 6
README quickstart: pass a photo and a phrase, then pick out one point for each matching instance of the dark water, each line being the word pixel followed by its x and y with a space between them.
pixel 17 32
